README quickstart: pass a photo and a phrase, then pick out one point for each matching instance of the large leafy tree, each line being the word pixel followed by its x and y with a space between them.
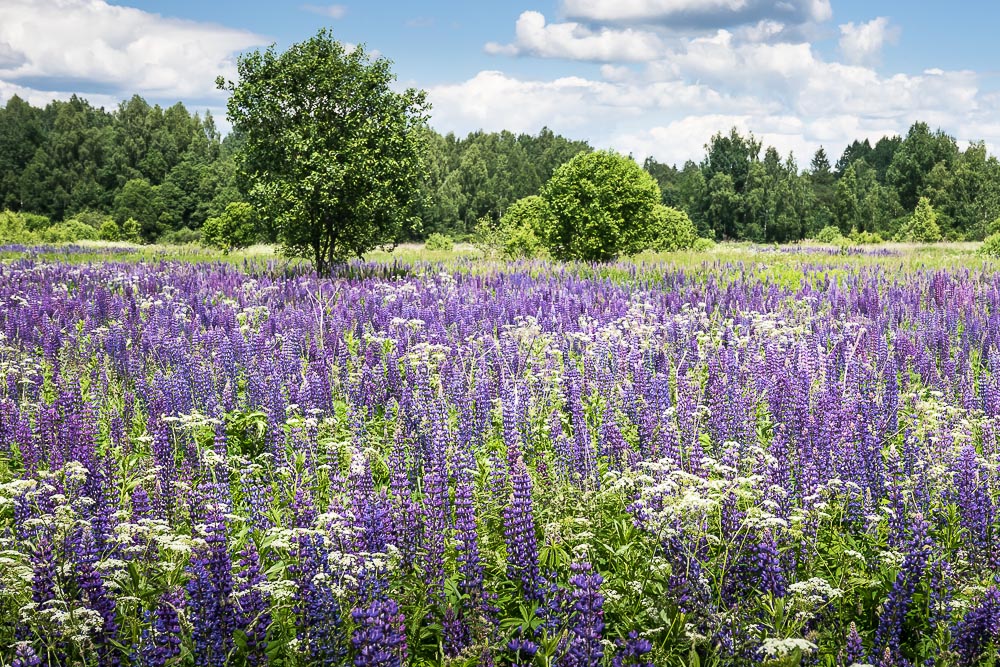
pixel 603 205
pixel 331 152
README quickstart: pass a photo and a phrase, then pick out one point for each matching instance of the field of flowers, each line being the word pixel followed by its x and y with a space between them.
pixel 527 464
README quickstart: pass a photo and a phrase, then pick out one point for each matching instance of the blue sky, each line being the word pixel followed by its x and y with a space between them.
pixel 647 77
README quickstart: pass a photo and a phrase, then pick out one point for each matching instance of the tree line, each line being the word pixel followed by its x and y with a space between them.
pixel 166 171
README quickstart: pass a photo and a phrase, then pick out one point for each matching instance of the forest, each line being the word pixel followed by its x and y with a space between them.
pixel 169 170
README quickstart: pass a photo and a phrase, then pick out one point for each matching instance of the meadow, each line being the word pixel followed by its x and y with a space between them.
pixel 756 455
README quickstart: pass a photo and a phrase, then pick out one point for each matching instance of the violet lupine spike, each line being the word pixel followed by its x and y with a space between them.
pixel 630 651
pixel 97 596
pixel 897 606
pixel 977 629
pixel 25 656
pixel 586 617
pixel 253 616
pixel 379 638
pixel 520 536
pixel 163 643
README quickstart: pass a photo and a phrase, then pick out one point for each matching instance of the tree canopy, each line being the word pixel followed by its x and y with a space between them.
pixel 331 152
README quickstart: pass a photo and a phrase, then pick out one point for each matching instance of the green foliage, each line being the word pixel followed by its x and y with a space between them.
pixel 991 246
pixel 438 241
pixel 672 230
pixel 524 228
pixel 830 234
pixel 132 231
pixel 865 238
pixel 603 205
pixel 182 236
pixel 331 151
pixel 236 227
pixel 703 245
pixel 921 227
pixel 487 238
pixel 69 232
pixel 14 229
pixel 109 231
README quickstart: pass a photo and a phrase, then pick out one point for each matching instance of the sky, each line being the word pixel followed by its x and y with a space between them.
pixel 644 77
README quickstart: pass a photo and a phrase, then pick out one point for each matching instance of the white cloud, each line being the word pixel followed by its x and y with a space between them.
pixel 783 91
pixel 332 11
pixel 862 43
pixel 699 13
pixel 576 42
pixel 90 44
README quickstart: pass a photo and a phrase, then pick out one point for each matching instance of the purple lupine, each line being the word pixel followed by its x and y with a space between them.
pixel 854 650
pixel 629 651
pixel 96 594
pixel 522 651
pixel 977 629
pixel 25 656
pixel 897 606
pixel 163 642
pixel 586 617
pixel 520 536
pixel 435 524
pixel 210 590
pixel 379 637
pixel 253 617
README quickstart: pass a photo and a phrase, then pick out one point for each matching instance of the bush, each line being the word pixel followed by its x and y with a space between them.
pixel 132 231
pixel 486 238
pixel 14 229
pixel 524 227
pixel 866 238
pixel 236 227
pixel 109 231
pixel 991 246
pixel 603 205
pixel 437 241
pixel 181 236
pixel 703 245
pixel 69 231
pixel 921 227
pixel 90 218
pixel 829 234
pixel 672 230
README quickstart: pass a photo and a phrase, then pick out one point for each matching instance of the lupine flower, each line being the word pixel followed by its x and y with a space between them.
pixel 978 628
pixel 520 537
pixel 629 652
pixel 379 638
pixel 586 617
pixel 25 656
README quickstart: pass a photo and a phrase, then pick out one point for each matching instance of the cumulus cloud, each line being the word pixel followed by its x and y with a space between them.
pixel 698 13
pixel 332 11
pixel 577 42
pixel 668 107
pixel 862 43
pixel 89 44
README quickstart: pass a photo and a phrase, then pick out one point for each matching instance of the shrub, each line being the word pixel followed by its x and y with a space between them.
pixel 69 231
pixel 921 227
pixel 672 230
pixel 866 238
pixel 703 245
pixel 437 241
pixel 132 231
pixel 524 227
pixel 829 234
pixel 603 205
pixel 181 236
pixel 991 246
pixel 487 238
pixel 109 231
pixel 14 229
pixel 236 227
